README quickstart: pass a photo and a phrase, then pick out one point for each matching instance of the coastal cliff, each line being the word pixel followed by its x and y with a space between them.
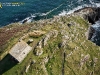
pixel 60 46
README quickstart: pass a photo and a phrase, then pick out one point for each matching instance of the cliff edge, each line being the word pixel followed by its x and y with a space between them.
pixel 60 46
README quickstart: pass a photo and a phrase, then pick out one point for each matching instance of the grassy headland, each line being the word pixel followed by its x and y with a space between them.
pixel 66 52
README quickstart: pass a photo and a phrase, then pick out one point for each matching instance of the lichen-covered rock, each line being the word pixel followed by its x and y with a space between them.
pixel 64 49
pixel 65 38
pixel 38 49
pixel 90 14
pixel 42 43
pixel 51 34
pixel 36 33
pixel 45 60
pixel 84 60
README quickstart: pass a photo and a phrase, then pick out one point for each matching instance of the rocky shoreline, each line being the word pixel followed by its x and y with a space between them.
pixel 59 45
pixel 91 14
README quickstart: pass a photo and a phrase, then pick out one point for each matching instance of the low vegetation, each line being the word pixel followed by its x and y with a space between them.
pixel 69 53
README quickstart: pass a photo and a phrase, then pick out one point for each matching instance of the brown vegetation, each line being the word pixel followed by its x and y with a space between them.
pixel 6 34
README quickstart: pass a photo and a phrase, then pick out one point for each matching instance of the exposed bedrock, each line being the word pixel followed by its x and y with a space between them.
pixel 91 14
pixel 90 32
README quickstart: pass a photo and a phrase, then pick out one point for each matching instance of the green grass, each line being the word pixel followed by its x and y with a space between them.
pixel 77 47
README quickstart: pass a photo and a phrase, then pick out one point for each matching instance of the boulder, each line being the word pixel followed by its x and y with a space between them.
pixel 36 33
pixel 52 33
pixel 38 49
pixel 30 40
pixel 43 42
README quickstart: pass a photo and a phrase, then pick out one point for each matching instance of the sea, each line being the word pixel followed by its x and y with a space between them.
pixel 12 11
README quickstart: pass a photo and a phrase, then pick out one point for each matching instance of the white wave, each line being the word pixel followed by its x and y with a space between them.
pixel 80 1
pixel 82 6
pixel 33 15
pixel 91 2
pixel 29 19
pixel 44 14
pixel 77 8
pixel 94 35
pixel 94 4
pixel 96 25
pixel 97 4
pixel 63 13
pixel 53 9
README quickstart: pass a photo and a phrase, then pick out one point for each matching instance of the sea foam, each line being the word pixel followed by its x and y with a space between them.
pixel 92 4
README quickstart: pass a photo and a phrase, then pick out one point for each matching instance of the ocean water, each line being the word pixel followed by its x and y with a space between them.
pixel 96 36
pixel 40 9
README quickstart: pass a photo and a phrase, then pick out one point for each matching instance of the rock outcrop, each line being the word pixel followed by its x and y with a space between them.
pixel 90 13
pixel 62 50
pixel 90 32
pixel 42 43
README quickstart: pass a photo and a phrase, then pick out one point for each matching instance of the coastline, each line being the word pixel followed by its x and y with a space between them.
pixel 37 16
pixel 64 47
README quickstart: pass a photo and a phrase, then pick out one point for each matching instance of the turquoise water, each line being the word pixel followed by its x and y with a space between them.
pixel 41 9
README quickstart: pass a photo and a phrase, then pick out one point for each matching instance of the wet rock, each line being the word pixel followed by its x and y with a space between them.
pixel 90 33
pixel 90 20
pixel 89 13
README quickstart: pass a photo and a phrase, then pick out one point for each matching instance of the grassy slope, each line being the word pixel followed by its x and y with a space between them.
pixel 75 50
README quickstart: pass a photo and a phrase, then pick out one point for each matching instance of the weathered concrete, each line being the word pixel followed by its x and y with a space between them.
pixel 20 50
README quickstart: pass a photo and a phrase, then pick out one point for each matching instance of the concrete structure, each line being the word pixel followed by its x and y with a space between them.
pixel 20 50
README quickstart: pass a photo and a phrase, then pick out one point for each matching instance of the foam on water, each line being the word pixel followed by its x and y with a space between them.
pixel 96 36
pixel 31 18
pixel 43 9
pixel 92 4
pixel 96 25
pixel 63 13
